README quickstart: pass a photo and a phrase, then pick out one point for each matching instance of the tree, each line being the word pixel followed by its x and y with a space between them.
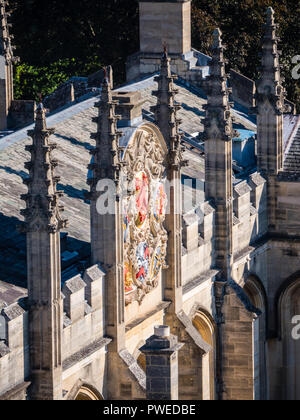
pixel 61 39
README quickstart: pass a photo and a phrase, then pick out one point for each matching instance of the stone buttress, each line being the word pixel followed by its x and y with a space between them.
pixel 43 223
pixel 270 107
pixel 168 123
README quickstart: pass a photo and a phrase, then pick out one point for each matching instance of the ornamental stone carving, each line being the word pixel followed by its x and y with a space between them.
pixel 144 207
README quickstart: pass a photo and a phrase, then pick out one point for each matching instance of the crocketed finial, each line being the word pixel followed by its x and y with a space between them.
pixel 217 38
pixel 270 16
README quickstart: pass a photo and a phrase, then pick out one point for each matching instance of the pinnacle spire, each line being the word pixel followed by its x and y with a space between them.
pixel 270 16
pixel 270 81
pixel 270 102
pixel 218 133
pixel 217 40
pixel 42 211
pixel 218 103
pixel 107 160
pixel 166 109
pixel 6 65
pixel 6 48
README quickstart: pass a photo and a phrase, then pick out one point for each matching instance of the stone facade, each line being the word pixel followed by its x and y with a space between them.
pixel 223 274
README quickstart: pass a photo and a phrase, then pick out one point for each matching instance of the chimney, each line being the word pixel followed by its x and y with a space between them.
pixel 165 22
pixel 129 107
pixel 161 351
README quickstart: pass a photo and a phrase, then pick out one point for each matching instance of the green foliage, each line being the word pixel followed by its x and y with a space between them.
pixel 31 81
pixel 59 38
pixel 52 34
pixel 242 24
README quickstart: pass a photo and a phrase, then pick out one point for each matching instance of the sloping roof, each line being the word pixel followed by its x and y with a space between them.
pixel 10 294
pixel 73 128
pixel 292 144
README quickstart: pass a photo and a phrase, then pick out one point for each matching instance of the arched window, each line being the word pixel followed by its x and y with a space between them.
pixel 86 393
pixel 205 326
pixel 256 294
pixel 289 306
pixel 82 391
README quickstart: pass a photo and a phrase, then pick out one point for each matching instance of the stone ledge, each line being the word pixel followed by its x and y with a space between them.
pixel 13 311
pixel 192 284
pixel 137 321
pixel 288 177
pixel 8 395
pixel 242 254
pixel 85 352
pixel 134 368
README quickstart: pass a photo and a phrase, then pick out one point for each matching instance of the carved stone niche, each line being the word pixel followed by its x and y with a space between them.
pixel 144 207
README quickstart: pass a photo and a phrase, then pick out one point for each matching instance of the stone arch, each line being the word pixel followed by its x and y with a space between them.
pixel 205 325
pixel 288 307
pixel 255 291
pixel 88 393
pixel 83 391
pixel 151 129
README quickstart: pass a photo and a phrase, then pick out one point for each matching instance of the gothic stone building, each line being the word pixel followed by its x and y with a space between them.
pixel 205 238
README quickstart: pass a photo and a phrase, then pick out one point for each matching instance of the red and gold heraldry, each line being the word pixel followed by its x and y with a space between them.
pixel 144 208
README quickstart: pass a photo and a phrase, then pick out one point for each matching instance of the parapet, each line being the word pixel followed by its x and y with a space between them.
pixel 258 190
pixel 83 311
pixel 21 113
pixel 198 225
pixel 207 227
pixel 190 235
pixel 74 302
pixel 242 201
pixel 14 349
pixel 250 210
pixel 13 316
pixel 93 278
pixel 243 89
pixel 83 295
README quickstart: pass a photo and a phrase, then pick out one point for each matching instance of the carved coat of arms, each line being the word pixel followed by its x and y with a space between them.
pixel 144 207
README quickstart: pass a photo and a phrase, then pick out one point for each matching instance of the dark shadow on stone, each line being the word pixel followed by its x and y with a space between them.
pixel 193 109
pixel 76 142
pixel 73 192
pixel 21 174
pixel 13 265
pixel 12 252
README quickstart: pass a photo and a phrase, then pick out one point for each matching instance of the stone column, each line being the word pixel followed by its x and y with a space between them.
pixel 161 351
pixel 166 118
pixel 218 134
pixel 107 229
pixel 43 223
pixel 270 108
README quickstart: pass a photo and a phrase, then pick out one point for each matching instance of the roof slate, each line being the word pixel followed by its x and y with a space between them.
pixel 73 128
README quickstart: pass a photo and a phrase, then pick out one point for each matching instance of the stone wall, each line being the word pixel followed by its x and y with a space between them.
pixel 14 353
pixel 250 212
pixel 84 319
pixel 165 22
pixel 243 89
pixel 237 350
pixel 288 205
pixel 21 113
